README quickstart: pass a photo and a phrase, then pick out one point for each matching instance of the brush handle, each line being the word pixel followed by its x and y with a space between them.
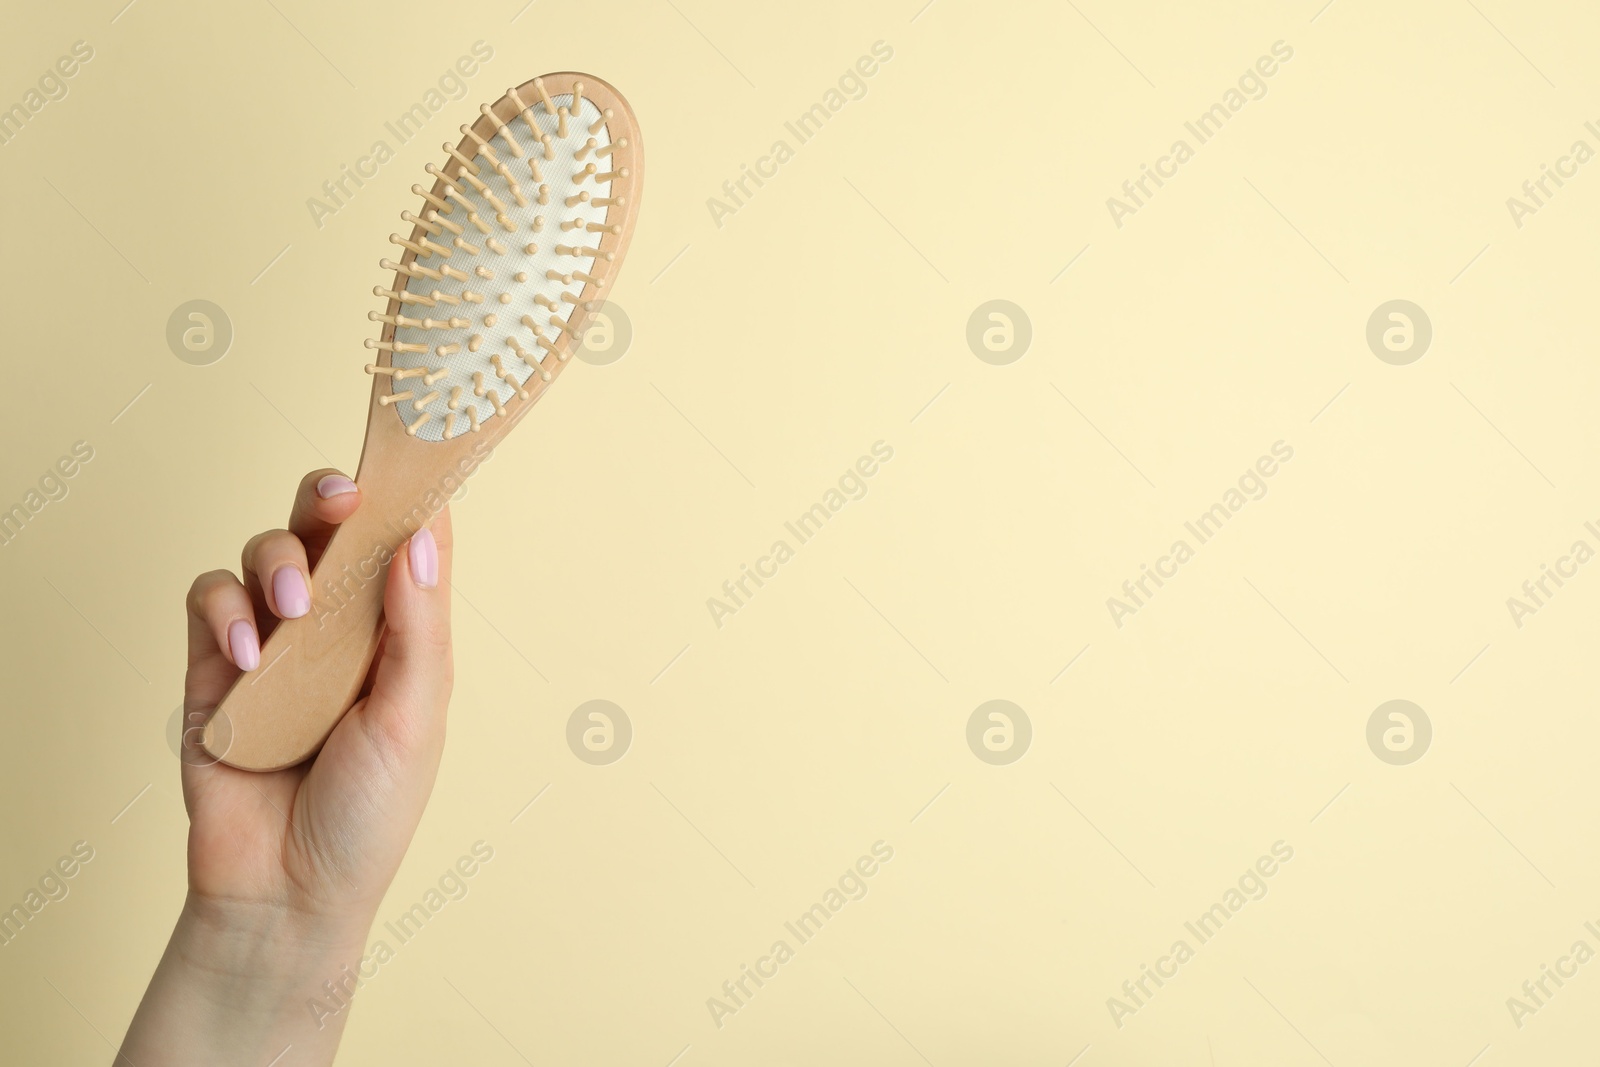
pixel 312 668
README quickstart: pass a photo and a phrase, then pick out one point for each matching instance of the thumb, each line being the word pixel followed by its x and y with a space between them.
pixel 415 673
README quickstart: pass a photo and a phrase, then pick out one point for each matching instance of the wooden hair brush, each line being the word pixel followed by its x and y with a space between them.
pixel 526 221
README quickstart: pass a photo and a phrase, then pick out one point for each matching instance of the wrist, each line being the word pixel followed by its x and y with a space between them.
pixel 256 937
pixel 241 980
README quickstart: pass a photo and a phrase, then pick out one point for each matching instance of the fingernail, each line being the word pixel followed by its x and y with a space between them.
pixel 334 485
pixel 289 588
pixel 243 645
pixel 424 559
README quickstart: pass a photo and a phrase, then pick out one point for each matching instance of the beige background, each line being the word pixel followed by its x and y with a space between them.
pixel 768 354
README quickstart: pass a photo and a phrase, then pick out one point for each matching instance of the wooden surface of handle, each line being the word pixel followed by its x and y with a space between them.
pixel 312 668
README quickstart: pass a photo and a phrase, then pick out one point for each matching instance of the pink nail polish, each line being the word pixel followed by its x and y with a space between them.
pixel 289 589
pixel 424 559
pixel 243 645
pixel 334 485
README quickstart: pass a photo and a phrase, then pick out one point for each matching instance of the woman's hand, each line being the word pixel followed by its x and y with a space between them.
pixel 287 868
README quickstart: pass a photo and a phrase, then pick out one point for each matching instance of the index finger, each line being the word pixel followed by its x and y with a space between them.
pixel 324 499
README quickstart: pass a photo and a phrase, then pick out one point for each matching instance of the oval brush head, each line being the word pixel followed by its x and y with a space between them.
pixel 511 251
pixel 491 292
